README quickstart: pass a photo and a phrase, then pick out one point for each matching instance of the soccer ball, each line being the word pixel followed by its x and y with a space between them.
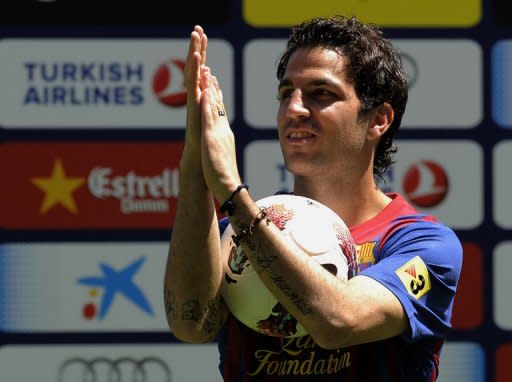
pixel 316 229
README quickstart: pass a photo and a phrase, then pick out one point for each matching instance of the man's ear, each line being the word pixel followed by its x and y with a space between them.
pixel 381 121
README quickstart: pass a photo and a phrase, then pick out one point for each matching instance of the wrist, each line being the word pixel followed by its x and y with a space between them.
pixel 246 231
pixel 229 204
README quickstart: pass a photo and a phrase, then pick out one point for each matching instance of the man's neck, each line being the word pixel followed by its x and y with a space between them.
pixel 355 202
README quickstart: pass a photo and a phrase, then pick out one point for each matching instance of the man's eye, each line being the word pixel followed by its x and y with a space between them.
pixel 283 95
pixel 321 92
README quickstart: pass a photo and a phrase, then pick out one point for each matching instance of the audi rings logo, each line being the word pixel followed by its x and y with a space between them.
pixel 125 369
pixel 411 69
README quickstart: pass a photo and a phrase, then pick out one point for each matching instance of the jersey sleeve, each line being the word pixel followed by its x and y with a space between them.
pixel 420 263
pixel 223 223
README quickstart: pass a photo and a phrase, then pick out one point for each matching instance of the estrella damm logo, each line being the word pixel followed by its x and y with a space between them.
pixel 414 275
pixel 391 13
pixel 56 185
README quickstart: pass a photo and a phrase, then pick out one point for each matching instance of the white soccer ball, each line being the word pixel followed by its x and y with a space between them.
pixel 316 229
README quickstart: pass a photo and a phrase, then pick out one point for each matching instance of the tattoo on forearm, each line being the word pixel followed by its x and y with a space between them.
pixel 213 316
pixel 294 297
pixel 191 310
pixel 263 260
pixel 170 305
pixel 210 317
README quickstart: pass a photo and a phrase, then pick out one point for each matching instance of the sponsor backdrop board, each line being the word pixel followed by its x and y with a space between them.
pixel 74 185
pixel 92 117
pixel 82 287
pixel 99 83
pixel 440 94
pixel 84 363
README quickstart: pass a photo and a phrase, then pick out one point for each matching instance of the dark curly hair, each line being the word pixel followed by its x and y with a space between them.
pixel 373 67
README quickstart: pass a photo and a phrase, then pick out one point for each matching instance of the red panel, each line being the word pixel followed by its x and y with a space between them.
pixel 468 307
pixel 503 363
pixel 88 185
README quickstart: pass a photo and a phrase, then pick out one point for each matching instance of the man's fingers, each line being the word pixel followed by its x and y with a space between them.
pixel 218 90
pixel 199 43
pixel 212 93
pixel 219 101
pixel 204 45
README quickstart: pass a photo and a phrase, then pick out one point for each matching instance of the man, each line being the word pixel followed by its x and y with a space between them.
pixel 342 94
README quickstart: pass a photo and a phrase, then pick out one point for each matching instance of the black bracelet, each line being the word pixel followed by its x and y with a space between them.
pixel 228 207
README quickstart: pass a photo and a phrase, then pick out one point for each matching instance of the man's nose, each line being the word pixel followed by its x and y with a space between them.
pixel 297 104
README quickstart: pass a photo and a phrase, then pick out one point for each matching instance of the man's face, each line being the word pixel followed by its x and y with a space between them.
pixel 318 125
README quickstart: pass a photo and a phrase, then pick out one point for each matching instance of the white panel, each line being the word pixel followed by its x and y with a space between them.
pixel 128 362
pixel 51 83
pixel 462 163
pixel 502 285
pixel 264 169
pixel 446 91
pixel 502 184
pixel 260 82
pixel 502 83
pixel 461 362
pixel 82 287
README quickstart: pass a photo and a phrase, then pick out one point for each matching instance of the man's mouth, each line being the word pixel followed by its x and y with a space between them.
pixel 298 135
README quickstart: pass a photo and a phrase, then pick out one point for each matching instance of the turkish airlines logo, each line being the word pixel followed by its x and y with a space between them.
pixel 426 184
pixel 169 83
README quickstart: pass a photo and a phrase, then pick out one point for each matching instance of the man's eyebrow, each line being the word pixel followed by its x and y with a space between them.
pixel 284 83
pixel 315 82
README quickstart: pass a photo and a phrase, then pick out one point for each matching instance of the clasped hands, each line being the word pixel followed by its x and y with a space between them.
pixel 209 140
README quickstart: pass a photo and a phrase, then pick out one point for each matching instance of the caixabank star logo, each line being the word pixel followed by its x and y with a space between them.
pixel 82 286
pixel 111 283
pixel 89 185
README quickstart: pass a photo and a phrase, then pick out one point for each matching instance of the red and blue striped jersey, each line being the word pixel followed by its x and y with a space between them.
pixel 413 255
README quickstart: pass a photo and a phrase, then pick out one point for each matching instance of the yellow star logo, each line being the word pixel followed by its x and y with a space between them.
pixel 58 189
